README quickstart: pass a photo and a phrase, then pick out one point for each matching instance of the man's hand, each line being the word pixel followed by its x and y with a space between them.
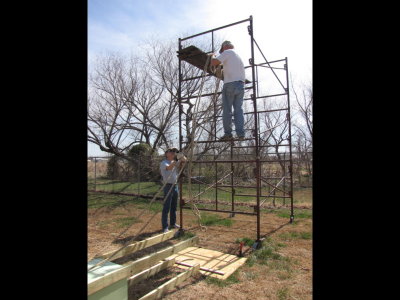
pixel 171 166
pixel 215 62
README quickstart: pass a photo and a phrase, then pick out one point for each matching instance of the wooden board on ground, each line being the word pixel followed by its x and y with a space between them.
pixel 159 292
pixel 150 271
pixel 211 259
pixel 139 245
pixel 137 266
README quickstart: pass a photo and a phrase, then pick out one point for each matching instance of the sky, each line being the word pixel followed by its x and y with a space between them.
pixel 281 28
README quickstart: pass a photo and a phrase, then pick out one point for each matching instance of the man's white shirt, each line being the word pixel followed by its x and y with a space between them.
pixel 233 66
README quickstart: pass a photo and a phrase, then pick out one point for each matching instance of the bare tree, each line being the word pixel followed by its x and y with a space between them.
pixel 135 100
pixel 303 125
pixel 304 107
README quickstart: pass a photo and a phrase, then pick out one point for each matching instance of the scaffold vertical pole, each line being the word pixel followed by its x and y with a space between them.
pixel 290 141
pixel 256 133
pixel 180 135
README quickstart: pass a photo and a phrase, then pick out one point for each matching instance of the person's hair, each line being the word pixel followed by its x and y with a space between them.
pixel 175 150
pixel 224 44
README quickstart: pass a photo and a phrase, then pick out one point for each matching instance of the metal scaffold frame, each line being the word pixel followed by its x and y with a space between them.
pixel 256 159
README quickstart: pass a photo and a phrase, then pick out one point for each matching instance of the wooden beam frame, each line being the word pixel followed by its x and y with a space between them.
pixel 151 271
pixel 138 265
pixel 132 248
pixel 170 284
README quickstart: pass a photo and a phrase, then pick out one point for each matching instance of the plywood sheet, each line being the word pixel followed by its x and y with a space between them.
pixel 210 259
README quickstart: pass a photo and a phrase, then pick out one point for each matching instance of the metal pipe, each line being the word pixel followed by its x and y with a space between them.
pixel 139 168
pixel 212 42
pixel 246 113
pixel 209 94
pixel 232 188
pixel 223 211
pixel 266 111
pixel 275 68
pixel 215 29
pixel 263 146
pixel 266 196
pixel 251 154
pixel 265 63
pixel 201 268
pixel 215 156
pixel 290 142
pixel 197 77
pixel 258 166
pixel 275 186
pixel 236 161
pixel 95 173
pixel 273 191
pixel 267 96
pixel 180 131
pixel 268 64
pixel 284 176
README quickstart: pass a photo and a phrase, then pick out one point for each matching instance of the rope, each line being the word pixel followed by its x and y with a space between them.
pixel 209 187
pixel 143 227
pixel 195 209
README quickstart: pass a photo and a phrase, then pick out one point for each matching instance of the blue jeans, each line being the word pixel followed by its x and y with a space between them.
pixel 232 95
pixel 169 206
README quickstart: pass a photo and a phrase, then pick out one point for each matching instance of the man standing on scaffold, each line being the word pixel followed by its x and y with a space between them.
pixel 169 169
pixel 233 90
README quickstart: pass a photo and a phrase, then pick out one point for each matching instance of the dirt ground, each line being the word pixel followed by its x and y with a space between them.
pixel 287 278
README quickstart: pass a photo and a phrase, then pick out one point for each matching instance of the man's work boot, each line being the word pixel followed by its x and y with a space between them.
pixel 226 138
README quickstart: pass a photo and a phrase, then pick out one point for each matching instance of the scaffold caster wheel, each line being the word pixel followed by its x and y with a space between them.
pixel 232 215
pixel 179 233
pixel 257 245
pixel 291 219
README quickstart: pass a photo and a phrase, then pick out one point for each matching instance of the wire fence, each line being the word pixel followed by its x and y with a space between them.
pixel 140 177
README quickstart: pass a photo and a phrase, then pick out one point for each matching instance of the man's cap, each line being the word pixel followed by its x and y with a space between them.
pixel 225 43
pixel 172 150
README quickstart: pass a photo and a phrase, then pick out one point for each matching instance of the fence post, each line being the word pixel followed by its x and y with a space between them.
pixel 95 162
pixel 139 171
pixel 284 177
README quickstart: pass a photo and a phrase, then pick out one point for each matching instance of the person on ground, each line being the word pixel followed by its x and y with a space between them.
pixel 169 169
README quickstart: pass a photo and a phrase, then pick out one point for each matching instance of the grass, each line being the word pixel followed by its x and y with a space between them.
pixel 298 213
pixel 247 241
pixel 145 204
pixel 186 235
pixel 146 188
pixel 301 195
pixel 268 255
pixel 113 201
pixel 126 221
pixel 222 283
pixel 103 224
pixel 283 293
pixel 296 235
pixel 250 275
pixel 121 222
pixel 212 220
pixel 106 200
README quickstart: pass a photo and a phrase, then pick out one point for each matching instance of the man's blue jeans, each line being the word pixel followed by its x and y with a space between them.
pixel 232 95
pixel 169 206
